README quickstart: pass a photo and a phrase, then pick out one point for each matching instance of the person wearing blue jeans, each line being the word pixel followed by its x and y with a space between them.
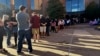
pixel 9 34
pixel 21 34
pixel 23 21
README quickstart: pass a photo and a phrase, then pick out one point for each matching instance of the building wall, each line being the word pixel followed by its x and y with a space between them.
pixel 37 4
pixel 42 4
pixel 12 4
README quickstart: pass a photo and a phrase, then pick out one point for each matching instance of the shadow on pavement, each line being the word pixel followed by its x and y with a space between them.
pixel 7 54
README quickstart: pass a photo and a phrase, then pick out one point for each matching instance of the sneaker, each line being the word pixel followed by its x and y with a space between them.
pixel 30 52
pixel 3 51
pixel 20 53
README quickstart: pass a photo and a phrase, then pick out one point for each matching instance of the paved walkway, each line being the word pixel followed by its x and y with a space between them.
pixel 79 40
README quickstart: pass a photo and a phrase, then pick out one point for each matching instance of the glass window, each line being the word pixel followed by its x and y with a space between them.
pixel 69 7
pixel 75 5
pixel 5 3
pixel 4 7
pixel 24 3
pixel 20 2
pixel 32 4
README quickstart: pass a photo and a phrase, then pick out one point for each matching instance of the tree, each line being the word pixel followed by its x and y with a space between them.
pixel 55 9
pixel 92 10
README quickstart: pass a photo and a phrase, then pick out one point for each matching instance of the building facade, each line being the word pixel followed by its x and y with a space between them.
pixel 70 5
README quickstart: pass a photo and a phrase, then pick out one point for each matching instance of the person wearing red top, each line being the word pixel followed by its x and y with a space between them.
pixel 35 24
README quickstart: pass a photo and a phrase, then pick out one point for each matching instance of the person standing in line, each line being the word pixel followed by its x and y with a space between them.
pixel 53 26
pixel 2 50
pixel 14 28
pixel 23 21
pixel 35 22
pixel 8 28
pixel 59 24
pixel 48 26
pixel 56 20
pixel 43 26
pixel 62 24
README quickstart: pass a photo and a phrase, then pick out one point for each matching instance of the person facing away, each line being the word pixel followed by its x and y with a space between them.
pixel 23 29
pixel 35 21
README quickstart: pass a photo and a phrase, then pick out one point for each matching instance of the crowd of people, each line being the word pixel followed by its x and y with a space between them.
pixel 26 27
pixel 96 21
pixel 23 26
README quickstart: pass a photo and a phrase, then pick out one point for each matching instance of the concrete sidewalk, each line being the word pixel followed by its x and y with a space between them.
pixel 80 40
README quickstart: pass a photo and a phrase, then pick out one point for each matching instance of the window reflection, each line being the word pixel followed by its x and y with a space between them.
pixel 4 7
pixel 20 2
pixel 24 3
pixel 75 5
pixel 32 4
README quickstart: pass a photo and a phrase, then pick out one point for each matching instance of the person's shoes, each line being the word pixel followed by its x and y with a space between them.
pixel 3 51
pixel 31 52
pixel 20 53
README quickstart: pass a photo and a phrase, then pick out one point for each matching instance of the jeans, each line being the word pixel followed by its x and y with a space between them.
pixel 48 30
pixel 21 35
pixel 15 30
pixel 9 34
